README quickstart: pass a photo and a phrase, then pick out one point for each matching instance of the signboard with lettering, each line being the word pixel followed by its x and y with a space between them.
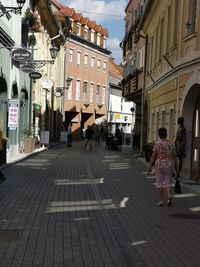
pixel 35 75
pixel 44 137
pixel 13 114
pixel 20 54
pixel 117 116
pixel 27 68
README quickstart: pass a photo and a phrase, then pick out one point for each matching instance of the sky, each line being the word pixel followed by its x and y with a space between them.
pixel 108 13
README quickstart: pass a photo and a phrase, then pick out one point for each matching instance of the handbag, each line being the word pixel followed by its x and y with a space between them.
pixel 177 187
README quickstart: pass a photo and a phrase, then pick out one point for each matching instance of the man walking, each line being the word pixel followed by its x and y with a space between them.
pixel 88 136
pixel 69 135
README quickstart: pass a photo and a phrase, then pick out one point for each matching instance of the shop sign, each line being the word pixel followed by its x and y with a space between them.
pixel 13 108
pixel 35 75
pixel 117 116
pixel 20 55
pixel 27 68
pixel 47 84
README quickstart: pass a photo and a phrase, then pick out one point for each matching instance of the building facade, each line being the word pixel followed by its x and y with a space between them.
pixel 26 106
pixel 133 65
pixel 15 83
pixel 120 112
pixel 86 71
pixel 47 108
pixel 172 83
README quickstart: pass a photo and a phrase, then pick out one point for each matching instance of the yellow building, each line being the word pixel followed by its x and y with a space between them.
pixel 47 108
pixel 172 77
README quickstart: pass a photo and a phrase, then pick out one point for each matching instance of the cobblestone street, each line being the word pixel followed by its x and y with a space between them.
pixel 66 208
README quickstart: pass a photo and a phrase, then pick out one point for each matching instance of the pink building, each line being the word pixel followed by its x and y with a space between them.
pixel 87 60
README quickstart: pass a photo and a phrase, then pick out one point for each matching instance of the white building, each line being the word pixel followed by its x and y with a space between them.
pixel 15 84
pixel 120 112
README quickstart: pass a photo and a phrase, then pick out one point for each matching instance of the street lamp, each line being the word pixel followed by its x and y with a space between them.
pixel 5 10
pixel 39 63
pixel 53 51
pixel 60 89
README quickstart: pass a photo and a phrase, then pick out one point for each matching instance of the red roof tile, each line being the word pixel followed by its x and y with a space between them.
pixel 104 32
pixel 84 20
pixel 98 28
pixel 67 11
pixel 59 5
pixel 115 70
pixel 77 16
pixel 91 24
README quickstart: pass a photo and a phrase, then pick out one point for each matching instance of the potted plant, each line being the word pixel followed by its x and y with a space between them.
pixel 32 40
pixel 148 149
pixel 33 19
pixel 28 141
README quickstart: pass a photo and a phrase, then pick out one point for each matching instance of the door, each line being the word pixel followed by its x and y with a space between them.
pixel 195 162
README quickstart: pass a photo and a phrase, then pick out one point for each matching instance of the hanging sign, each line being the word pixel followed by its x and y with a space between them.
pixel 27 68
pixel 20 54
pixel 35 75
pixel 47 84
pixel 13 106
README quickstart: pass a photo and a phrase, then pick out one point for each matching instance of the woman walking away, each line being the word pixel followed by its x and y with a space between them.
pixel 165 160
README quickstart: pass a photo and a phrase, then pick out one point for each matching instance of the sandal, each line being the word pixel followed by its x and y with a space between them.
pixel 169 203
pixel 160 204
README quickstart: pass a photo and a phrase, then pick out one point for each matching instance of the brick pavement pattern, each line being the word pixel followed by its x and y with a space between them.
pixel 67 208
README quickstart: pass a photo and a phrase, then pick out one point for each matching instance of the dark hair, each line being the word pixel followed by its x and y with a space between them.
pixel 162 132
pixel 180 120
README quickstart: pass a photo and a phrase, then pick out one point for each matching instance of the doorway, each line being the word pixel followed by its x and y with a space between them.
pixel 195 160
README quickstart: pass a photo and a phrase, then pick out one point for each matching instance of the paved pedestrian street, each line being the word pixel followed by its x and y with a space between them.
pixel 68 208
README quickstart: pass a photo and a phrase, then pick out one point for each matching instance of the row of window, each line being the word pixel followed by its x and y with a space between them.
pixel 136 63
pixel 100 64
pixel 161 42
pixel 167 32
pixel 87 92
pixel 90 34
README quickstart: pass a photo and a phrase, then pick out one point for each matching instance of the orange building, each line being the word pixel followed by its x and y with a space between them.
pixel 86 71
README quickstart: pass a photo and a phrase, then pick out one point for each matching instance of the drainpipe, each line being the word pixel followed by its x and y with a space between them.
pixel 64 81
pixel 143 90
pixel 30 96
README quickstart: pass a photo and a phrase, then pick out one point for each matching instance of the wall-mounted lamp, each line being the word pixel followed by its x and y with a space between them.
pixel 5 10
pixel 100 106
pixel 68 81
pixel 39 63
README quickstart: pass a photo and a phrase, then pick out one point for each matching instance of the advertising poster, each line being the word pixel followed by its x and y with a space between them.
pixel 13 108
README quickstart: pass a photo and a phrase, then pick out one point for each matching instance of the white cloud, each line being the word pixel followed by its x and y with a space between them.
pixel 113 46
pixel 109 10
